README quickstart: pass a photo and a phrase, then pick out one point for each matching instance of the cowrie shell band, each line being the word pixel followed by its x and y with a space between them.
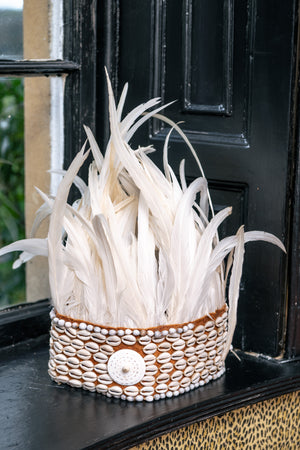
pixel 138 364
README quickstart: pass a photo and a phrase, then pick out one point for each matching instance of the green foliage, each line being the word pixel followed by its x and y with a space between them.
pixel 12 226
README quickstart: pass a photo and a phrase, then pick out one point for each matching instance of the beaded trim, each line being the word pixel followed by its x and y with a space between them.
pixel 138 364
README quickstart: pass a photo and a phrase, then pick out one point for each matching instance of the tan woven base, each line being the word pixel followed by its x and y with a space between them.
pixel 138 364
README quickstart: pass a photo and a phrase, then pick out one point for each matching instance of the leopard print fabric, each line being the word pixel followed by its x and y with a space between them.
pixel 271 424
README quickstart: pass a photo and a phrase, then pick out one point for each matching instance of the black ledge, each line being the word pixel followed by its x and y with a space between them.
pixel 36 413
pixel 37 67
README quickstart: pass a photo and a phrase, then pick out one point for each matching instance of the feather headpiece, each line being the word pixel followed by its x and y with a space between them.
pixel 136 250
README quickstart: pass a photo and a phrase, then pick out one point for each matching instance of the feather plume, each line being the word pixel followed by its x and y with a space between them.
pixel 135 249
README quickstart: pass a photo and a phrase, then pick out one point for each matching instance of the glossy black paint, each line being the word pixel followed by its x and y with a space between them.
pixel 37 68
pixel 36 413
pixel 23 322
pixel 233 71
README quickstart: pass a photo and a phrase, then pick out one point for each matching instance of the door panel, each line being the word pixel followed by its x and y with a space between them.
pixel 229 65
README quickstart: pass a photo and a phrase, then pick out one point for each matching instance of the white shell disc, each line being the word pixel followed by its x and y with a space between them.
pixel 126 367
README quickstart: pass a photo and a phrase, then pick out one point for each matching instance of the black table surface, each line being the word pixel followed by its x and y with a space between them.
pixel 36 413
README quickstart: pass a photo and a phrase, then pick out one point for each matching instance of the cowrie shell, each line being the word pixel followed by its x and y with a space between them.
pixel 210 345
pixel 163 378
pixel 89 376
pixel 62 379
pixel 213 370
pixel 173 337
pixel 158 339
pixel 115 390
pixel 62 369
pixel 73 362
pixel 75 373
pixel 204 374
pixel 180 364
pixel 58 347
pixel 177 375
pixel 187 335
pixel 59 329
pixel 179 354
pixel 202 339
pixel 87 365
pixel 166 368
pixel 77 343
pixel 185 382
pixel 51 364
pixel 100 368
pixel 193 360
pixel 209 363
pixel 107 349
pixel 219 341
pixel 105 379
pixel 100 357
pixel 199 366
pixel 113 340
pixel 212 354
pixel 199 330
pixel 220 364
pixel 148 380
pixel 84 335
pixel 64 340
pixel 221 331
pixel 55 335
pixel 52 374
pixel 174 386
pixel 190 351
pixel 147 390
pixel 71 332
pixel 129 339
pixel 217 359
pixel 220 349
pixel 101 388
pixel 191 342
pixel 60 358
pixel 98 337
pixel 161 388
pixel 189 371
pixel 89 386
pixel 164 358
pixel 151 370
pixel 92 347
pixel 149 360
pixel 203 356
pixel 178 345
pixel 69 351
pixel 150 348
pixel 164 346
pixel 209 325
pixel 196 378
pixel 212 335
pixel 200 348
pixel 132 391
pixel 224 315
pixel 144 340
pixel 75 383
pixel 83 354
pixel 219 321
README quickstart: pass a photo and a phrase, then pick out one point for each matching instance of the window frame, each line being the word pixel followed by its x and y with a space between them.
pixel 29 320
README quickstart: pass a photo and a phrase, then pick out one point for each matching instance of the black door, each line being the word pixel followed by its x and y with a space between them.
pixel 230 66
